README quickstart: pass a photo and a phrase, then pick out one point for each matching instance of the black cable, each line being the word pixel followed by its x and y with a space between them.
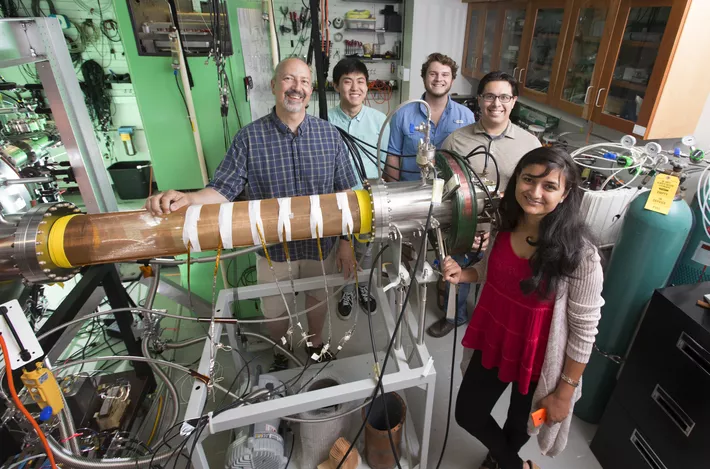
pixel 110 25
pixel 487 153
pixel 10 97
pixel 184 100
pixel 451 391
pixel 376 360
pixel 293 444
pixel 317 48
pixel 369 316
pixel 96 93
pixel 390 345
pixel 374 147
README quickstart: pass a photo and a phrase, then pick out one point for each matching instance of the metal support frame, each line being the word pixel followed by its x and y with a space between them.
pixel 94 278
pixel 41 41
pixel 416 385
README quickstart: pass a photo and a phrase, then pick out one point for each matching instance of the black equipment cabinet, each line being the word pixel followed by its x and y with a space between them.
pixel 659 414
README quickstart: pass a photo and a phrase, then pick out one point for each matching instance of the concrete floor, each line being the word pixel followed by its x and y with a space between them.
pixel 465 452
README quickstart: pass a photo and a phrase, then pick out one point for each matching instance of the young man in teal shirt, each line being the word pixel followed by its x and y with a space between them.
pixel 362 122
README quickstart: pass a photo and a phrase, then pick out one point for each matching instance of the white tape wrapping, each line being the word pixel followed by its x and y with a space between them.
pixel 316 217
pixel 437 191
pixel 347 215
pixel 255 220
pixel 189 229
pixel 284 218
pixel 225 224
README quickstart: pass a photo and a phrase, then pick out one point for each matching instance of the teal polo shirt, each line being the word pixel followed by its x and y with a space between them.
pixel 365 126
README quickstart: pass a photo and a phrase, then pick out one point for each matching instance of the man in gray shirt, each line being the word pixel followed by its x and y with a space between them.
pixel 506 142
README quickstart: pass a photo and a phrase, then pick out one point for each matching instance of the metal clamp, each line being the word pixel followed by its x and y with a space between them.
pixel 619 360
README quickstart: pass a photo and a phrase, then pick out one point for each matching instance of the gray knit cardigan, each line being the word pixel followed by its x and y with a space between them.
pixel 575 318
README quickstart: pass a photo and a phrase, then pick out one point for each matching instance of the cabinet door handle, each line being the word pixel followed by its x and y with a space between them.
pixel 599 94
pixel 694 351
pixel 515 72
pixel 673 410
pixel 475 64
pixel 646 451
pixel 586 95
pixel 520 78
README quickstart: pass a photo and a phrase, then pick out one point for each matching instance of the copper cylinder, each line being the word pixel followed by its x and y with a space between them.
pixel 378 451
pixel 123 236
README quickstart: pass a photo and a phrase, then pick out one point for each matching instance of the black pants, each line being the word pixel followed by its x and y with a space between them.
pixel 480 390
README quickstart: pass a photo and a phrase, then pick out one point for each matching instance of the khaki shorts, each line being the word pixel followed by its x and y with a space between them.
pixel 273 306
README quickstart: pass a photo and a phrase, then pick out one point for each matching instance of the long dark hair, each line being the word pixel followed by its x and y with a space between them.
pixel 564 236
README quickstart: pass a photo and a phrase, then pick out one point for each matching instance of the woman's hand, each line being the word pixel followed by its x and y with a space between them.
pixel 451 271
pixel 557 407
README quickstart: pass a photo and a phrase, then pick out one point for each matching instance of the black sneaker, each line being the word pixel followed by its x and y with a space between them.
pixel 280 363
pixel 345 305
pixel 367 302
pixel 317 351
pixel 489 462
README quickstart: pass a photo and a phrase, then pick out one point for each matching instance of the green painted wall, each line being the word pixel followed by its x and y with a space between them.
pixel 167 130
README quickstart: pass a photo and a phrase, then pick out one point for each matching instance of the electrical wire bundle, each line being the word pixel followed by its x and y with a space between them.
pixel 587 157
pixel 360 148
pixel 96 93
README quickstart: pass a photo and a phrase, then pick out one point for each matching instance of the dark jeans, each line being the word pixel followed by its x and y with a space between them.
pixel 480 390
pixel 464 288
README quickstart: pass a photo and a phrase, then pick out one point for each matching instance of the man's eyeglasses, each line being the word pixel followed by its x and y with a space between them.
pixel 490 97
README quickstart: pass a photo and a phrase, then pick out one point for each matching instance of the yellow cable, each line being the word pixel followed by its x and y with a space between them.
pixel 157 419
pixel 263 245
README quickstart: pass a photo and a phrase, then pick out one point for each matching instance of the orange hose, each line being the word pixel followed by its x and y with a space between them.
pixel 18 403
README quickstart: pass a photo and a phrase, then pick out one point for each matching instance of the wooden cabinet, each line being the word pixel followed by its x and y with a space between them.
pixel 494 33
pixel 543 39
pixel 637 66
pixel 583 56
pixel 473 45
pixel 636 70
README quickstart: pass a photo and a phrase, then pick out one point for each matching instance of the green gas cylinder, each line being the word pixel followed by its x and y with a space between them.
pixel 642 261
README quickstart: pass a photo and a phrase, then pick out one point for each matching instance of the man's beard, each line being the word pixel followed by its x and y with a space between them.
pixel 438 94
pixel 293 107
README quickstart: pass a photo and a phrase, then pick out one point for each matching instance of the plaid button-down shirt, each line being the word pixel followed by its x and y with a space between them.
pixel 267 160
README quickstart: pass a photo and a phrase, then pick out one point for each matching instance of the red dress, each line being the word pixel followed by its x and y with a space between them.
pixel 508 327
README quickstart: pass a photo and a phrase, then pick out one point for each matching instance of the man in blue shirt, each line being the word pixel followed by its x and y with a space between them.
pixel 438 73
pixel 362 122
pixel 284 154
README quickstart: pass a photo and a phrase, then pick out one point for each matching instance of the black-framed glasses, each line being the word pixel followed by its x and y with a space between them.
pixel 490 97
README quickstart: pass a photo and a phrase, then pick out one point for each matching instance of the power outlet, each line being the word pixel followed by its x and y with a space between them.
pixel 403 73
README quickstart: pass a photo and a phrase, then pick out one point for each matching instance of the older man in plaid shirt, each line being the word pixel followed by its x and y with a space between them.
pixel 285 154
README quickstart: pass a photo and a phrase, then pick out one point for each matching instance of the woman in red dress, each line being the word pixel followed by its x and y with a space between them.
pixel 536 320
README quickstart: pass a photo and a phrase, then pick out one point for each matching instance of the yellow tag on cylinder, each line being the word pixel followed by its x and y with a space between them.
pixel 662 194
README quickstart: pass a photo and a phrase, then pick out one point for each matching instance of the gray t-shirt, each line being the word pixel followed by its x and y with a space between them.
pixel 506 148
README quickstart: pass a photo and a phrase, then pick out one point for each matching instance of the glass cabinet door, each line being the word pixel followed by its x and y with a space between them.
pixel 637 56
pixel 472 42
pixel 579 69
pixel 545 39
pixel 511 39
pixel 489 39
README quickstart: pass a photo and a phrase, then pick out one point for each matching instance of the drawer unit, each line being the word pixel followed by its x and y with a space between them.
pixel 664 388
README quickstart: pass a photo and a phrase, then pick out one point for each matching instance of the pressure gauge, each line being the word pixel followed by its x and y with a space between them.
pixel 628 141
pixel 689 141
pixel 653 149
